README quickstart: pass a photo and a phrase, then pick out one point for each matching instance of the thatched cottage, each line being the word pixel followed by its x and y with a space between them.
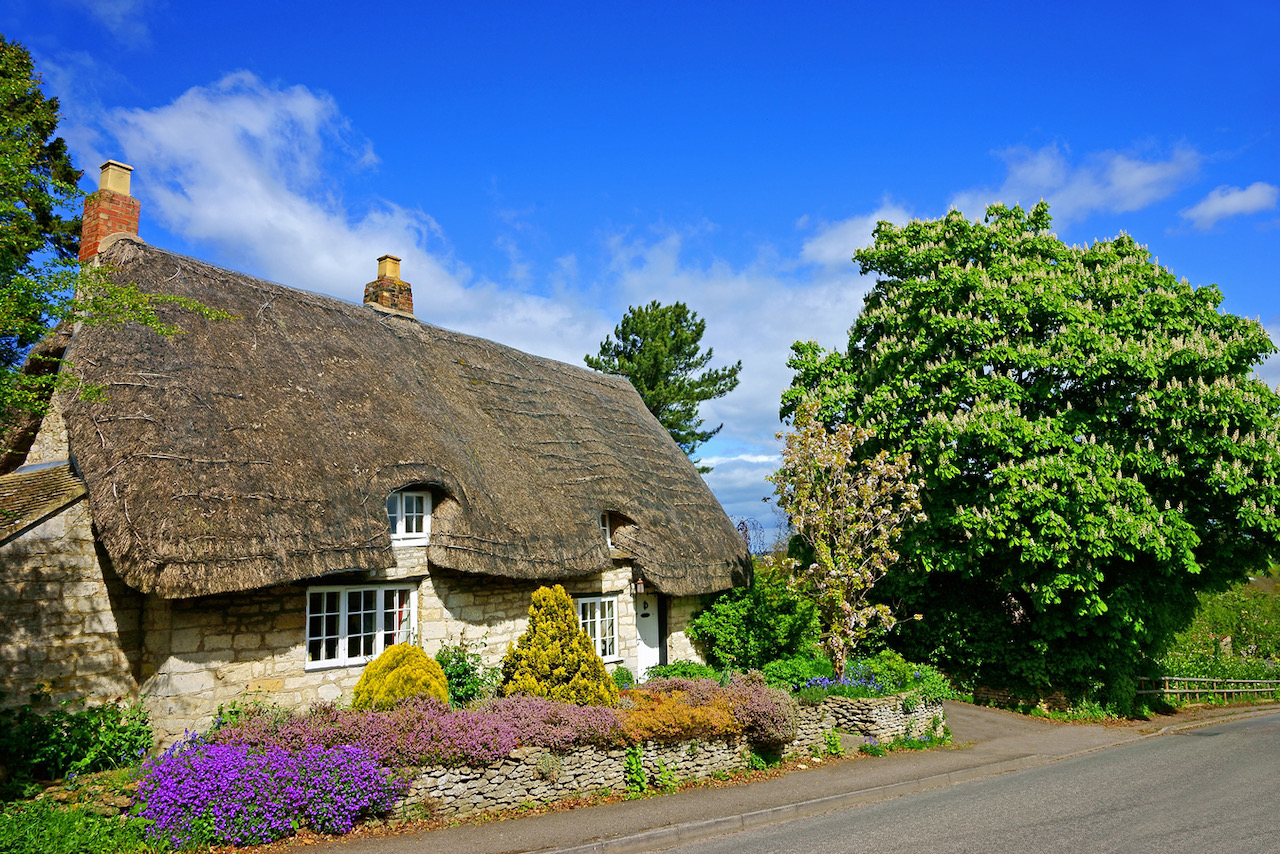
pixel 262 504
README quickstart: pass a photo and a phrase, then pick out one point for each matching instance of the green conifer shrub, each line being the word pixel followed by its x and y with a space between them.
pixel 403 670
pixel 555 658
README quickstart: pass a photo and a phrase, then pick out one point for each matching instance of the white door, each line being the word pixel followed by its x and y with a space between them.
pixel 648 639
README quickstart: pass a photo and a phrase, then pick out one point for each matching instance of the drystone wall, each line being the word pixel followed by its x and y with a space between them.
pixel 886 718
pixel 536 775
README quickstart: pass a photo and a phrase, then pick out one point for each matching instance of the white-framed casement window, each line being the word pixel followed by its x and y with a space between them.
pixel 409 514
pixel 353 625
pixel 604 526
pixel 598 617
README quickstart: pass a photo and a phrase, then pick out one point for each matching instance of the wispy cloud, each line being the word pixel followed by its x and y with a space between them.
pixel 834 243
pixel 1104 182
pixel 1223 202
pixel 125 19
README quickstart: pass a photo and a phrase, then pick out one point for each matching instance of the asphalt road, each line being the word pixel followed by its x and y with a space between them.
pixel 1211 789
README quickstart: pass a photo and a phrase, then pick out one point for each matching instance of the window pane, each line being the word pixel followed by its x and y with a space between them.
pixel 393 513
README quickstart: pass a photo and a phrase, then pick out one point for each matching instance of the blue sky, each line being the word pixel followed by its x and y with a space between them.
pixel 541 167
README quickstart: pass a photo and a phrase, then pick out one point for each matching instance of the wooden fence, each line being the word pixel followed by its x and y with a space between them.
pixel 1187 686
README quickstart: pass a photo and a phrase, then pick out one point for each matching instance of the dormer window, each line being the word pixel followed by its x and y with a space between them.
pixel 409 515
pixel 604 526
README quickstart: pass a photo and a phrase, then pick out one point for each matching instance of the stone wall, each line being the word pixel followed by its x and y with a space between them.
pixel 534 774
pixel 680 611
pixel 885 718
pixel 70 625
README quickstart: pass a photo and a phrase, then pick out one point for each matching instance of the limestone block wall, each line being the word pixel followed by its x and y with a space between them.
pixel 69 623
pixel 886 718
pixel 535 774
pixel 208 651
pixel 680 610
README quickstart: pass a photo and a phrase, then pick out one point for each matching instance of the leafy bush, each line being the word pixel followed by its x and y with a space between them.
pixel 768 716
pixel 44 741
pixel 682 669
pixel 40 827
pixel 199 793
pixel 469 678
pixel 747 627
pixel 622 678
pixel 795 671
pixel 403 670
pixel 879 676
pixel 672 715
pixel 555 658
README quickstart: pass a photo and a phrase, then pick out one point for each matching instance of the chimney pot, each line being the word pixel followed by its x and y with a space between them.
pixel 388 267
pixel 115 177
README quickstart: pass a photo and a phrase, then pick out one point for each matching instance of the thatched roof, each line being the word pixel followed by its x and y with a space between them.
pixel 260 450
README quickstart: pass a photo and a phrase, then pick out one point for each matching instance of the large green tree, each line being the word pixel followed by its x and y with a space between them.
pixel 1095 444
pixel 38 196
pixel 659 349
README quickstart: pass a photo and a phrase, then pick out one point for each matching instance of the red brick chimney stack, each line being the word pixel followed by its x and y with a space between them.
pixel 388 293
pixel 109 211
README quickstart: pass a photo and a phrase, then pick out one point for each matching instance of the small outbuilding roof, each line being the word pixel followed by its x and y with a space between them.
pixel 260 450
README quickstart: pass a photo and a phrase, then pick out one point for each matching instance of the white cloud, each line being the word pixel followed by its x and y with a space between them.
pixel 1223 202
pixel 1105 182
pixel 835 243
pixel 125 19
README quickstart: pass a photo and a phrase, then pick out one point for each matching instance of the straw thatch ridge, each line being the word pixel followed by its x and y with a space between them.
pixel 261 450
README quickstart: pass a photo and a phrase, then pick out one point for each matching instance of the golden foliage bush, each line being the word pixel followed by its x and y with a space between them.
pixel 403 670
pixel 555 658
pixel 673 716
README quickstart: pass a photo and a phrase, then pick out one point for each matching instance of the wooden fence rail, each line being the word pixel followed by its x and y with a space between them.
pixel 1188 686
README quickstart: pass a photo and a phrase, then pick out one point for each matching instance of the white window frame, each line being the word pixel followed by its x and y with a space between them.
pixel 339 636
pixel 598 617
pixel 397 518
pixel 604 526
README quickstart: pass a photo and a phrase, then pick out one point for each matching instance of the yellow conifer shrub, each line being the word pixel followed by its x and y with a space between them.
pixel 555 658
pixel 403 670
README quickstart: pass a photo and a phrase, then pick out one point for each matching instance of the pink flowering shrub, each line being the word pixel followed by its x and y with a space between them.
pixel 425 731
pixel 766 716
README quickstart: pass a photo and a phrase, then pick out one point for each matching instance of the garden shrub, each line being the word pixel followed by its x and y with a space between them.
pixel 622 677
pixel 878 676
pixel 682 669
pixel 468 676
pixel 403 670
pixel 44 741
pixel 747 627
pixel 795 671
pixel 657 715
pixel 768 716
pixel 201 794
pixel 424 731
pixel 555 658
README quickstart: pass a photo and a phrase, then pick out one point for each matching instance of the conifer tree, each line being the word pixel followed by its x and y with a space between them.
pixel 555 658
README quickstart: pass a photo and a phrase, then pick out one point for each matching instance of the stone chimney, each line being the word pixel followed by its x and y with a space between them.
pixel 109 211
pixel 388 293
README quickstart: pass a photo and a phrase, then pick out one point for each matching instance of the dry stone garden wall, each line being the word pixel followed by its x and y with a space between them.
pixel 535 774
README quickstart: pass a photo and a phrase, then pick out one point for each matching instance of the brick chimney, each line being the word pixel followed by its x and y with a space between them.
pixel 388 293
pixel 109 211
